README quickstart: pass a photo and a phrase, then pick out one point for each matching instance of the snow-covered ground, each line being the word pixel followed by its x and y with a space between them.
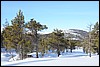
pixel 76 58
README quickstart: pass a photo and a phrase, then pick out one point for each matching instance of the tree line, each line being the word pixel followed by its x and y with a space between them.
pixel 15 36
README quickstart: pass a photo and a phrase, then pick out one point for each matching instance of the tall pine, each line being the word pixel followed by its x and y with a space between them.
pixel 34 27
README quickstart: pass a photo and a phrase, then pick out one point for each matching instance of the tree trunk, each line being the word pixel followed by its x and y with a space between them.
pixel 58 52
pixel 90 54
pixel 71 49
pixel 36 51
pixel 20 52
pixel 36 43
pixel 97 51
pixel 84 49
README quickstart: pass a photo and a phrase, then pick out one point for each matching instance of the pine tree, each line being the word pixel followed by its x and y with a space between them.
pixel 85 45
pixel 95 38
pixel 43 44
pixel 34 27
pixel 8 44
pixel 71 42
pixel 56 38
pixel 18 31
pixel 90 42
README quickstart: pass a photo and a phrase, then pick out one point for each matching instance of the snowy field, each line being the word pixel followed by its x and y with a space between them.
pixel 76 58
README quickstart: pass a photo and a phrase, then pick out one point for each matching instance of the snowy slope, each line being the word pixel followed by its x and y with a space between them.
pixel 75 34
pixel 77 58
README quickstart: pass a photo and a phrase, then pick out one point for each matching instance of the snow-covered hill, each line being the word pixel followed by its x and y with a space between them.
pixel 75 34
pixel 76 58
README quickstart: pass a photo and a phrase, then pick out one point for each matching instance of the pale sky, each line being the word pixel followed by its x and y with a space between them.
pixel 55 14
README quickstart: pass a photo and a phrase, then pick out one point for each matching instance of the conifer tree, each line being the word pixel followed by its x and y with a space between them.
pixel 55 40
pixel 34 27
pixel 95 38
